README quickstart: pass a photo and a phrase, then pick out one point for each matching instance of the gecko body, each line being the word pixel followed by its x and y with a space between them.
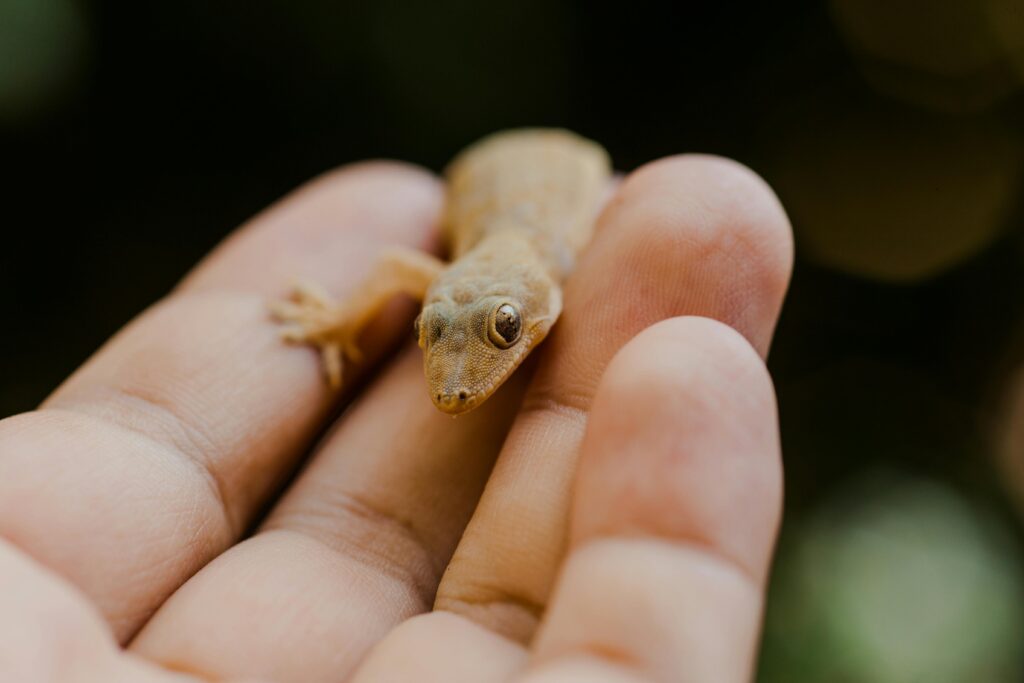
pixel 520 207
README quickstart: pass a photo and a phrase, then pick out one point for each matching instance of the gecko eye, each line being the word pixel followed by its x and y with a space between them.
pixel 505 326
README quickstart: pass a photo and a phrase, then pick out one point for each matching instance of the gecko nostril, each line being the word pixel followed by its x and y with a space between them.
pixel 462 395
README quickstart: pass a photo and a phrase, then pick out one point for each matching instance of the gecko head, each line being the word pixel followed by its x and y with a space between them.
pixel 470 349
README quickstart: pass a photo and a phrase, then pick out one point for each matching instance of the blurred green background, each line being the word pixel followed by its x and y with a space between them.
pixel 136 135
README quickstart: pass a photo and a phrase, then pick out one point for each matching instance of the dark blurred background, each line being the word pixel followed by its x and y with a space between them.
pixel 134 136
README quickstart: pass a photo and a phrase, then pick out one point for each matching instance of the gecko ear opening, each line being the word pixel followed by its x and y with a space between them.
pixel 504 325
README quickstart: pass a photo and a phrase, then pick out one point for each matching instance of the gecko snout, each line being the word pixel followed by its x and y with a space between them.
pixel 455 402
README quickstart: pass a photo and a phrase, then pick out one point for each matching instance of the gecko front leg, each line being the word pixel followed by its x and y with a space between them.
pixel 313 317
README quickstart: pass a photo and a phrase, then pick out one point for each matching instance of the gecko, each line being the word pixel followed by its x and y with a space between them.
pixel 520 207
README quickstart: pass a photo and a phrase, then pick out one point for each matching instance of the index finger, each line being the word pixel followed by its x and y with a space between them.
pixel 156 454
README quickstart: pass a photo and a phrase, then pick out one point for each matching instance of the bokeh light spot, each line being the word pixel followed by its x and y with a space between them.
pixel 893 194
pixel 948 55
pixel 897 580
pixel 42 51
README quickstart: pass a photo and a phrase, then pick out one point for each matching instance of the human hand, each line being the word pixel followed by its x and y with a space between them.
pixel 610 518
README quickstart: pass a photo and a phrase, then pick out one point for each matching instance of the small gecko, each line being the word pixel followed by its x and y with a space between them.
pixel 520 207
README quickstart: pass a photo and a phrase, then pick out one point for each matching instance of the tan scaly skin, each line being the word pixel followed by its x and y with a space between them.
pixel 520 207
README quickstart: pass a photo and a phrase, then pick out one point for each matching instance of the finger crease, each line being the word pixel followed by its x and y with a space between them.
pixel 573 407
pixel 703 549
pixel 353 526
pixel 175 435
pixel 492 606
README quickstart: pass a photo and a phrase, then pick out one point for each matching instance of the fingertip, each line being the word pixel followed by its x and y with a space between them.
pixel 660 362
pixel 682 443
pixel 725 192
pixel 713 225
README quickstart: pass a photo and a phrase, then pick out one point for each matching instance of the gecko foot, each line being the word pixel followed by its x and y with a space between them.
pixel 311 316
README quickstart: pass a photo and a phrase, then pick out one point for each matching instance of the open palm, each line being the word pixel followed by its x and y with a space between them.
pixel 608 515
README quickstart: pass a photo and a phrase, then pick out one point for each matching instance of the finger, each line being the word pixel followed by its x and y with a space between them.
pixel 156 454
pixel 357 545
pixel 50 632
pixel 686 235
pixel 675 514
